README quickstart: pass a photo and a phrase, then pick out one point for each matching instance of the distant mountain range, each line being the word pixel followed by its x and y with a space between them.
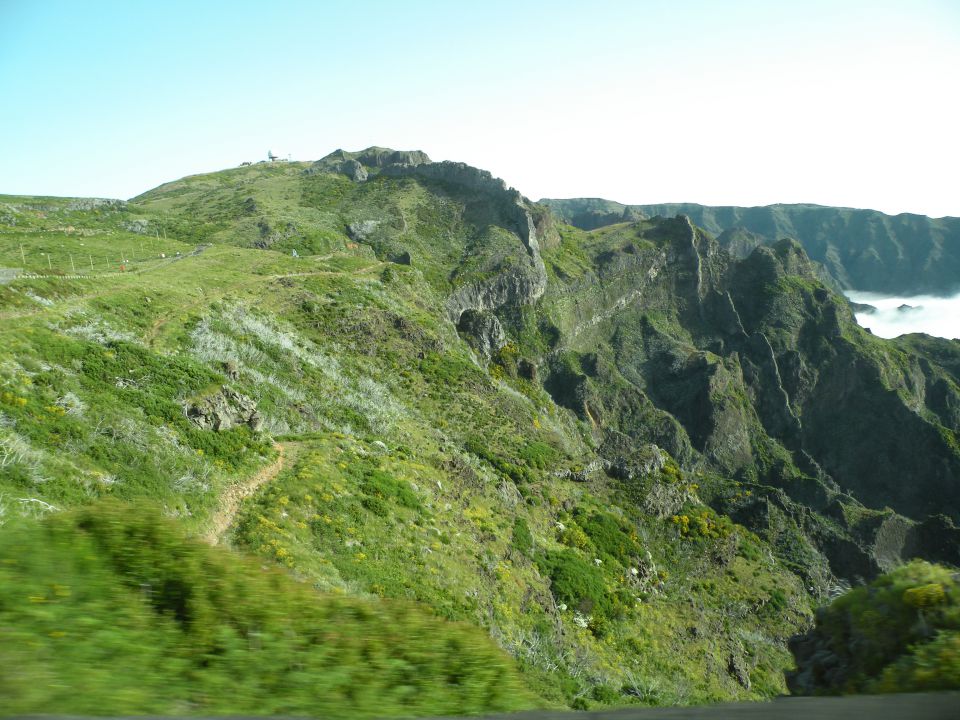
pixel 902 254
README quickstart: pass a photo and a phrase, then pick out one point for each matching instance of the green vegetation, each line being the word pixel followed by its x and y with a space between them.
pixel 613 496
pixel 114 612
pixel 900 633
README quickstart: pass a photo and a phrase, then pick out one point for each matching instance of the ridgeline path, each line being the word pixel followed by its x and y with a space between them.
pixel 235 495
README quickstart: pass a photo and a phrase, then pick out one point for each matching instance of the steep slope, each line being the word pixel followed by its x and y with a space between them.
pixel 862 249
pixel 549 433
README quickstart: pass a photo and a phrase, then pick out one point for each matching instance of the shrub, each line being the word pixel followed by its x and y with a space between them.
pixel 381 485
pixel 610 535
pixel 929 666
pixel 522 539
pixel 539 455
pixel 575 582
pixel 897 634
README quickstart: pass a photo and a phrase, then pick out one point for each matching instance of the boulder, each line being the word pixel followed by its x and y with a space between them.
pixel 225 410
pixel 362 229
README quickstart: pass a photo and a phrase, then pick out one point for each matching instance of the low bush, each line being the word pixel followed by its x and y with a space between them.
pixel 900 633
pixel 575 582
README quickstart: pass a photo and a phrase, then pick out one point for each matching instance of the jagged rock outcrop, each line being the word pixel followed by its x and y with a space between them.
pixel 358 165
pixel 362 230
pixel 592 213
pixel 96 204
pixel 224 410
pixel 483 331
pixel 764 373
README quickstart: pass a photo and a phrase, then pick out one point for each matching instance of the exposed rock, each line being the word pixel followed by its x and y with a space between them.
pixel 527 370
pixel 483 331
pixel 665 499
pixel 382 157
pixel 361 230
pixel 521 285
pixel 738 669
pixel 224 410
pixel 231 370
pixel 358 165
pixel 893 254
pixel 643 462
pixel 819 667
pixel 591 213
pixel 137 226
pixel 354 170
pixel 583 474
pixel 96 204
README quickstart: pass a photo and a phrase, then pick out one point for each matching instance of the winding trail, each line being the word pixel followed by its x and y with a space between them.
pixel 234 496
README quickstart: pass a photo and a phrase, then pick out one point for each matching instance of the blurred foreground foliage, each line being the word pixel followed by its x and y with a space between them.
pixel 113 611
pixel 900 633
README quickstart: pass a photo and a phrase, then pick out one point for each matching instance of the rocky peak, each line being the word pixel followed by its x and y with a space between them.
pixel 358 165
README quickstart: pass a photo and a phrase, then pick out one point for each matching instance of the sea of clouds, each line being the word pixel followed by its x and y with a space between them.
pixel 938 316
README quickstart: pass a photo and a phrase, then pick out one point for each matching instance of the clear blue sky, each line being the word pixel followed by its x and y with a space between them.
pixel 844 103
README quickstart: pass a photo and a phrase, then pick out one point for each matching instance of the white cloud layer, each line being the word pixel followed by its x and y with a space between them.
pixel 938 316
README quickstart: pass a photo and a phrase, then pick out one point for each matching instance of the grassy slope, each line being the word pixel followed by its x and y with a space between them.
pixel 421 475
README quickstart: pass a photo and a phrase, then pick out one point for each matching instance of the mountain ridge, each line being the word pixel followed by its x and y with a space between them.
pixel 862 249
pixel 635 460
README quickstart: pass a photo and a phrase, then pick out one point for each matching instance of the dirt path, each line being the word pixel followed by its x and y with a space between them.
pixel 235 495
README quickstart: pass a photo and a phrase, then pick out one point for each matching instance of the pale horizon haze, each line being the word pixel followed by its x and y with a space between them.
pixel 852 104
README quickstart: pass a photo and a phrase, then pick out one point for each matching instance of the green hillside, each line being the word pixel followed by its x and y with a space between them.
pixel 635 461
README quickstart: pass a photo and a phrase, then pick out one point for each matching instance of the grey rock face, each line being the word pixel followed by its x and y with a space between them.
pixel 96 204
pixel 137 226
pixel 357 165
pixel 738 669
pixel 354 170
pixel 382 157
pixel 483 331
pixel 584 474
pixel 225 410
pixel 360 231
pixel 521 286
pixel 864 249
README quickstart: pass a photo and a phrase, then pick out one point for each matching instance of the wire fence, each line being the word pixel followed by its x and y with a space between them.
pixel 39 258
